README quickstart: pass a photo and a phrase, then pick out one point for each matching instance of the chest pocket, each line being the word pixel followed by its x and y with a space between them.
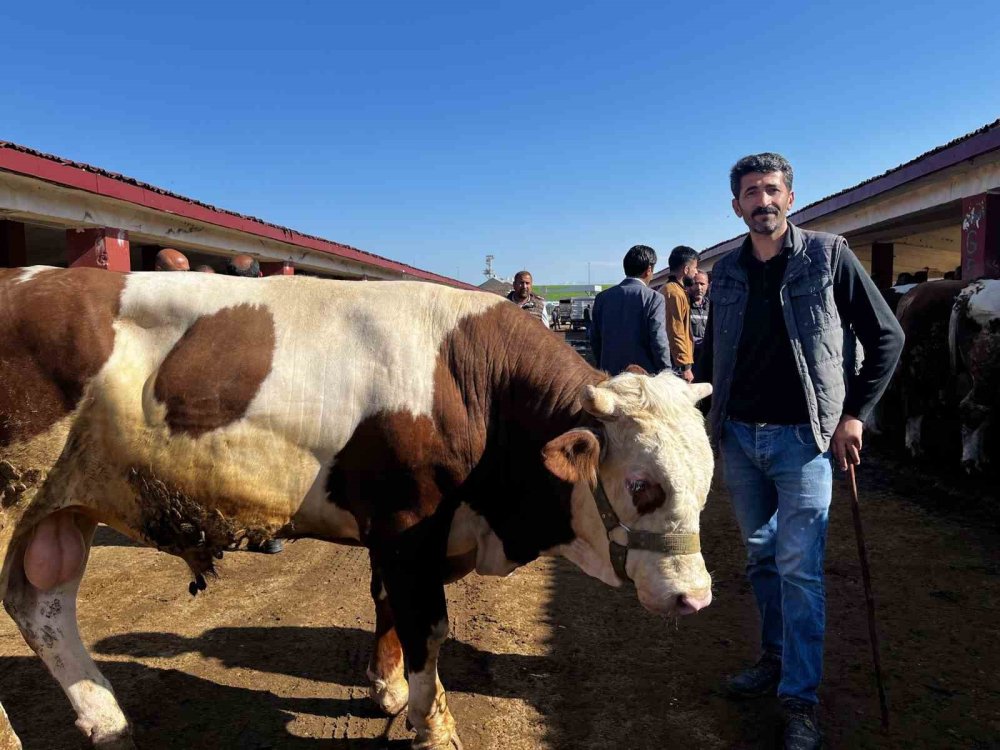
pixel 727 300
pixel 812 303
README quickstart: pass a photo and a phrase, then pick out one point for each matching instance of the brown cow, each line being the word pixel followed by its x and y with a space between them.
pixel 198 413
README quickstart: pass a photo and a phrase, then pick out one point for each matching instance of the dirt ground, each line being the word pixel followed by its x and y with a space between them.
pixel 273 654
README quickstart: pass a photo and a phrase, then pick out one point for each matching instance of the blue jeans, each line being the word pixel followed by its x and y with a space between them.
pixel 781 487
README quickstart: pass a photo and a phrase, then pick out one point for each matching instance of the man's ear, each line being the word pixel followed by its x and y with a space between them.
pixel 573 456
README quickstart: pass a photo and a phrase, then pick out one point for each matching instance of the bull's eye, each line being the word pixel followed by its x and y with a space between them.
pixel 647 496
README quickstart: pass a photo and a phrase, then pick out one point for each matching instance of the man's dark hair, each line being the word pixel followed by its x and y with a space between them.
pixel 239 266
pixel 680 256
pixel 638 259
pixel 763 163
pixel 519 274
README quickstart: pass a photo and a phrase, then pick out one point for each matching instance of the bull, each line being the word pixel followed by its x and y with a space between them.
pixel 438 428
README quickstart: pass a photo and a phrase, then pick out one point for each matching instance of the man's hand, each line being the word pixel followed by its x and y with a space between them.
pixel 688 375
pixel 846 442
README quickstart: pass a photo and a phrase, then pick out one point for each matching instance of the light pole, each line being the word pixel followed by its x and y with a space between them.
pixel 588 273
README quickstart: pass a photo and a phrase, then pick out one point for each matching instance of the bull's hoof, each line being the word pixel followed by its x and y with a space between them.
pixel 108 740
pixel 390 697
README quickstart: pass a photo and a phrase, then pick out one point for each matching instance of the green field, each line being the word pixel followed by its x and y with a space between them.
pixel 556 292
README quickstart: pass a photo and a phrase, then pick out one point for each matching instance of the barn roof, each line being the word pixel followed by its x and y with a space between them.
pixel 81 176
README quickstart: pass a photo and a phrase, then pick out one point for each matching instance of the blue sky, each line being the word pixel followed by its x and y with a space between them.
pixel 547 134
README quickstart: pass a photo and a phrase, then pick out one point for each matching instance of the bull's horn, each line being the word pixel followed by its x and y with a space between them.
pixel 599 401
pixel 698 391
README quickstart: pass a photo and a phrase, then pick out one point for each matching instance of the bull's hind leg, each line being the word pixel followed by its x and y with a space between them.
pixel 385 670
pixel 41 598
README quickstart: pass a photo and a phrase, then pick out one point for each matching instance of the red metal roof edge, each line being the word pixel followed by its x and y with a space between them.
pixel 55 169
pixel 968 146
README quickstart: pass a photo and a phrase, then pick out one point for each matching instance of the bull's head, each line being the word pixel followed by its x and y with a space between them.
pixel 641 481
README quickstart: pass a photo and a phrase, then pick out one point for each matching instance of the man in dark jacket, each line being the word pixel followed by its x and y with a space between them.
pixel 787 310
pixel 698 297
pixel 628 325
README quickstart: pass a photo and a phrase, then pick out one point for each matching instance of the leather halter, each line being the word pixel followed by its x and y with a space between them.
pixel 667 544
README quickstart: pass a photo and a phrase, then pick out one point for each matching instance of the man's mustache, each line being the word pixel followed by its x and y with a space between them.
pixel 764 210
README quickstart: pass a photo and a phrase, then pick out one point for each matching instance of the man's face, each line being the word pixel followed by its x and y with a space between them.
pixel 522 286
pixel 764 202
pixel 699 289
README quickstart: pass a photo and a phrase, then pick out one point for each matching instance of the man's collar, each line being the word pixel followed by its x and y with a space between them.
pixel 788 243
pixel 635 279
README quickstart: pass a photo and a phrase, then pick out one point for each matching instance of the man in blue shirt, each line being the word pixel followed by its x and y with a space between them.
pixel 628 321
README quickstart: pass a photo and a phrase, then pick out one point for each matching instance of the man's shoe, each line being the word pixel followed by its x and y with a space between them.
pixel 759 680
pixel 801 729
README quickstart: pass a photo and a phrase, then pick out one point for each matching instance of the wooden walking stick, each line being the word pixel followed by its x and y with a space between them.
pixel 869 597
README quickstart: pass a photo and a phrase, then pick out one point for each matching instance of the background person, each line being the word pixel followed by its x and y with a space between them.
pixel 628 321
pixel 169 259
pixel 522 296
pixel 698 298
pixel 683 264
pixel 243 265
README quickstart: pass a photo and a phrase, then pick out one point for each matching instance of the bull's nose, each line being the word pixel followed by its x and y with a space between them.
pixel 691 602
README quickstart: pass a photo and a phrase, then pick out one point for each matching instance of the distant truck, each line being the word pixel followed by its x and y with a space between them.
pixel 577 314
pixel 564 310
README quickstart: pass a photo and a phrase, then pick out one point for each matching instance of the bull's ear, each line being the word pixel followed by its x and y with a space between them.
pixel 698 391
pixel 600 402
pixel 636 370
pixel 573 456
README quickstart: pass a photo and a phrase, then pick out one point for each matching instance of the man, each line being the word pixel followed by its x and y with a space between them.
pixel 698 297
pixel 243 265
pixel 522 296
pixel 779 351
pixel 683 263
pixel 204 268
pixel 628 321
pixel 169 259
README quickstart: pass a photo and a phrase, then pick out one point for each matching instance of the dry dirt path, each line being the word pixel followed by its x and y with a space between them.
pixel 273 654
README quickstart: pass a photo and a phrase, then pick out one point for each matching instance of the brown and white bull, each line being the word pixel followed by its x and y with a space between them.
pixel 974 341
pixel 923 382
pixel 439 428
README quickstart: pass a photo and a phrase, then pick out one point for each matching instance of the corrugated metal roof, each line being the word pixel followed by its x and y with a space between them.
pixel 67 172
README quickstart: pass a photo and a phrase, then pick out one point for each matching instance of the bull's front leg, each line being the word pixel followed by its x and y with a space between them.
pixel 41 599
pixel 416 595
pixel 386 675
